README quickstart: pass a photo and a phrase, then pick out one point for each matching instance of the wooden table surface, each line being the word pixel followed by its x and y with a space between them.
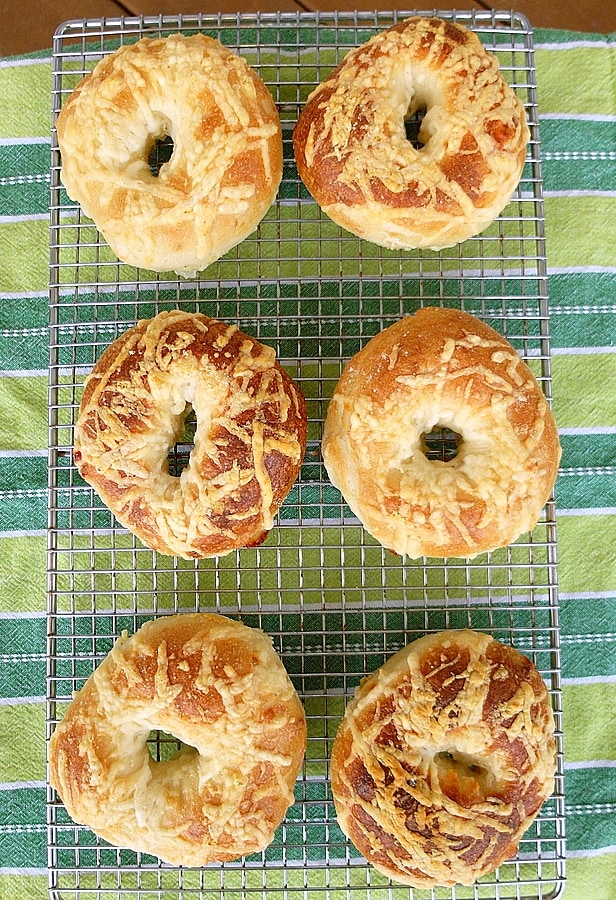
pixel 30 25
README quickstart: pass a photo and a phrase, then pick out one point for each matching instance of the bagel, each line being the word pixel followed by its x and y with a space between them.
pixel 219 688
pixel 226 164
pixel 441 368
pixel 248 447
pixel 443 759
pixel 353 154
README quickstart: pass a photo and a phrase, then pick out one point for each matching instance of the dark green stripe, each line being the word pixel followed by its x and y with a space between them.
pixel 585 626
pixel 23 513
pixel 563 36
pixel 558 136
pixel 23 678
pixel 303 320
pixel 587 636
pixel 24 505
pixel 29 512
pixel 22 636
pixel 22 669
pixel 587 830
pixel 588 450
pixel 30 163
pixel 21 508
pixel 24 159
pixel 23 472
pixel 582 289
pixel 582 314
pixel 586 492
pixel 28 195
pixel 25 344
pixel 565 137
pixel 24 352
pixel 568 175
pixel 582 309
pixel 575 136
pixel 24 312
pixel 23 806
pixel 583 328
pixel 24 850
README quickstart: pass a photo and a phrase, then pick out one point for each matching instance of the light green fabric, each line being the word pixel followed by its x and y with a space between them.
pixel 24 264
pixel 581 238
pixel 577 101
pixel 593 92
pixel 25 89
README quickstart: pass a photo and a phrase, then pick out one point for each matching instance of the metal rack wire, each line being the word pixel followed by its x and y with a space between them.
pixel 335 603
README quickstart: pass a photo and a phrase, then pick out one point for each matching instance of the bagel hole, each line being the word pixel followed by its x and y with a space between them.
pixel 412 127
pixel 461 777
pixel 441 444
pixel 163 746
pixel 161 153
pixel 180 452
pixel 461 762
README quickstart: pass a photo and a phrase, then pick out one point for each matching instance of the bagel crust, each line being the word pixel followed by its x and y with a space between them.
pixel 226 165
pixel 220 688
pixel 444 758
pixel 354 157
pixel 248 447
pixel 441 368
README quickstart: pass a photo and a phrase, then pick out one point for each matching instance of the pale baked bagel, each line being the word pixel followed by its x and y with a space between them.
pixel 443 759
pixel 248 447
pixel 441 368
pixel 353 154
pixel 220 688
pixel 226 164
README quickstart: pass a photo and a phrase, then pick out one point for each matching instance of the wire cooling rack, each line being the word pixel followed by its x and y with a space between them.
pixel 335 603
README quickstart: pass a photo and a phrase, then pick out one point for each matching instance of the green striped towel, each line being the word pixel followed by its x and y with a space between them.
pixel 577 100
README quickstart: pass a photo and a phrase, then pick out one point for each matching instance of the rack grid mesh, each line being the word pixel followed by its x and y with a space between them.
pixel 335 603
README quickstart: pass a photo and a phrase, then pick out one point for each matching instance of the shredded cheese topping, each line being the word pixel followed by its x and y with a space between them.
pixel 443 758
pixel 352 150
pixel 219 688
pixel 441 368
pixel 248 447
pixel 226 164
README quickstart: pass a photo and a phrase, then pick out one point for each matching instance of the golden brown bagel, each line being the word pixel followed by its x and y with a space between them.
pixel 353 154
pixel 248 447
pixel 226 164
pixel 443 759
pixel 441 368
pixel 218 687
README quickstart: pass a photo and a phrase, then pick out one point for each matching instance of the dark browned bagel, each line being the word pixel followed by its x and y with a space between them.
pixel 444 758
pixel 248 447
pixel 353 154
